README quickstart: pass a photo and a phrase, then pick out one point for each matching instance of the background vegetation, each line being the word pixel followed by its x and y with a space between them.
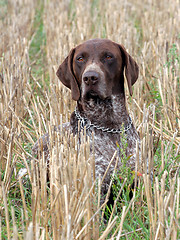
pixel 35 36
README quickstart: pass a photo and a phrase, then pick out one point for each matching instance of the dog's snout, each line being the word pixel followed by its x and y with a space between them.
pixel 90 77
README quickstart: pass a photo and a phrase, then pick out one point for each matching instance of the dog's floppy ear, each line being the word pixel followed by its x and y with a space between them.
pixel 131 68
pixel 66 75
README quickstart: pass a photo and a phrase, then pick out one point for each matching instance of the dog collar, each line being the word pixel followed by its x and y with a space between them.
pixel 85 122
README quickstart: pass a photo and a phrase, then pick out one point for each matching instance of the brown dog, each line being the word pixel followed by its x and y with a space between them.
pixel 94 71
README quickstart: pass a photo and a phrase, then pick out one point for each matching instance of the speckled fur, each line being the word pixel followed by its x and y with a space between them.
pixel 110 113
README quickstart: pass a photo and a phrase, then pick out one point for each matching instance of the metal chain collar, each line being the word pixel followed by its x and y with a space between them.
pixel 86 122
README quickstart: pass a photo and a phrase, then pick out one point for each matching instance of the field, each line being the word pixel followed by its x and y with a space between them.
pixel 35 37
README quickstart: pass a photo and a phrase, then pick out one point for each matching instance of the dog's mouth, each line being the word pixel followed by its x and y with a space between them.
pixel 93 98
pixel 92 95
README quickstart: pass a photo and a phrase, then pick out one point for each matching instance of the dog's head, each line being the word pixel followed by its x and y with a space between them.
pixel 95 69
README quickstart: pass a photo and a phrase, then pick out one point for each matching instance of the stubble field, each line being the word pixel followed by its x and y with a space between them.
pixel 35 37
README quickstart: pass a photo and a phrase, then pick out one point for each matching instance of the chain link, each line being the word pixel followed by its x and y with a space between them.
pixel 86 122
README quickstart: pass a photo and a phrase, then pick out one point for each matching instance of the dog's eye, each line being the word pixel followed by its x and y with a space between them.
pixel 108 57
pixel 80 59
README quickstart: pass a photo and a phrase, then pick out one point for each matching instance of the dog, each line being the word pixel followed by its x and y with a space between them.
pixel 94 72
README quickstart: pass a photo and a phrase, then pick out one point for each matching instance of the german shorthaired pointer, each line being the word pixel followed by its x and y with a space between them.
pixel 94 71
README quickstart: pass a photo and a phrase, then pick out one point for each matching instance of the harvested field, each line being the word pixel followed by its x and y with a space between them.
pixel 35 37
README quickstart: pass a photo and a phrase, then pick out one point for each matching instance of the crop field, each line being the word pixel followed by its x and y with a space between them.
pixel 60 199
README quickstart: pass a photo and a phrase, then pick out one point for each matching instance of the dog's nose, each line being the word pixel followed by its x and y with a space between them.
pixel 90 77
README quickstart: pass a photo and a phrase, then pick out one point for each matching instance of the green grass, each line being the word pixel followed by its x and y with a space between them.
pixel 37 51
pixel 14 201
pixel 3 9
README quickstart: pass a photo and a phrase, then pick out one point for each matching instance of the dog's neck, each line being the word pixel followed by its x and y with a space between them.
pixel 110 112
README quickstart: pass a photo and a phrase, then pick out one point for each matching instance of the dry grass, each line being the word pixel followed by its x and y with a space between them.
pixel 35 37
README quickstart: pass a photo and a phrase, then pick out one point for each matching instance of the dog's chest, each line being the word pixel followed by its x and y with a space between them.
pixel 105 117
pixel 106 144
pixel 104 149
